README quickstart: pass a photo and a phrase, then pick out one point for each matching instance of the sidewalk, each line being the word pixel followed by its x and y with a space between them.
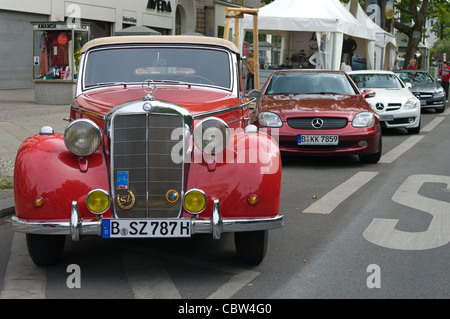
pixel 20 118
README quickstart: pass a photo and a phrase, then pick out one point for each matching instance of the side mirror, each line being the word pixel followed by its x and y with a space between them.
pixel 408 85
pixel 368 94
pixel 254 94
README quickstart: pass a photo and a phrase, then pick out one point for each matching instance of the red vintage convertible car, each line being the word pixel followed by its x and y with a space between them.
pixel 319 112
pixel 158 145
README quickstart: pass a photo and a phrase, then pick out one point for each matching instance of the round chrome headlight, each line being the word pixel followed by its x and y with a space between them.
pixel 211 135
pixel 82 137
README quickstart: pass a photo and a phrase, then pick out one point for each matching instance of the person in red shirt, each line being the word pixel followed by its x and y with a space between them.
pixel 412 64
pixel 445 74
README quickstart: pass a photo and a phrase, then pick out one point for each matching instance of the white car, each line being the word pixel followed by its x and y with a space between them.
pixel 393 100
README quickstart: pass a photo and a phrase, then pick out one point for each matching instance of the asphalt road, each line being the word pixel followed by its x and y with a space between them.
pixel 352 231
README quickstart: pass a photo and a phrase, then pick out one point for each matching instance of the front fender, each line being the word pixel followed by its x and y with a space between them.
pixel 251 164
pixel 45 167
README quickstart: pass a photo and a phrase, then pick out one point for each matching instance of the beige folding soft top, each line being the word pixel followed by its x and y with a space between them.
pixel 159 39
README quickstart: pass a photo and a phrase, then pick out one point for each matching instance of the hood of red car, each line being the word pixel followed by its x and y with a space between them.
pixel 195 99
pixel 291 105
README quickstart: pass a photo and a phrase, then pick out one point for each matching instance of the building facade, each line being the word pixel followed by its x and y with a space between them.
pixel 104 18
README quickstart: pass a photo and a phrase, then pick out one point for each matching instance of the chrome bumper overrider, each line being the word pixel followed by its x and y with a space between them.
pixel 77 228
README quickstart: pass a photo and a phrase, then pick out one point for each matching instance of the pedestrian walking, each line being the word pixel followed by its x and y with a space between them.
pixel 250 72
pixel 412 64
pixel 445 74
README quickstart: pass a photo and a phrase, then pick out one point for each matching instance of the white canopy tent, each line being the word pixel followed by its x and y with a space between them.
pixel 385 42
pixel 328 19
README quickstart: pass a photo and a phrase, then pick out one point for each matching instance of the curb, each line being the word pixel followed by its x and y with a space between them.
pixel 5 211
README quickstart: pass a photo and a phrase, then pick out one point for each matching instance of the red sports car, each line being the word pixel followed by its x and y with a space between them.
pixel 319 112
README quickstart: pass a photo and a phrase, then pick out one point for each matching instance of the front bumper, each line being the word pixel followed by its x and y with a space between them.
pixel 401 119
pixel 77 228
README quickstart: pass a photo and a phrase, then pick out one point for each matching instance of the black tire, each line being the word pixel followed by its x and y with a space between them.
pixel 45 250
pixel 440 109
pixel 415 130
pixel 374 157
pixel 251 246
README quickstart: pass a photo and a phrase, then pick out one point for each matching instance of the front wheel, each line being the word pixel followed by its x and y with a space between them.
pixel 374 157
pixel 45 250
pixel 251 246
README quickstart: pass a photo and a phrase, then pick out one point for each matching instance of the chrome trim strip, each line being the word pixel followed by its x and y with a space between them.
pixel 216 220
pixel 77 228
pixel 233 72
pixel 87 112
pixel 224 110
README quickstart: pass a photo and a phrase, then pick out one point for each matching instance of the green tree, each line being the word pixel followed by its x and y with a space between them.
pixel 413 16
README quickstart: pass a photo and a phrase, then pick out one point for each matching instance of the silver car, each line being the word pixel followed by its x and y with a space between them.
pixel 425 88
pixel 394 102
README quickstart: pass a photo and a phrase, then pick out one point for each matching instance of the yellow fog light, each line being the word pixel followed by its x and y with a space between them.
pixel 97 201
pixel 195 201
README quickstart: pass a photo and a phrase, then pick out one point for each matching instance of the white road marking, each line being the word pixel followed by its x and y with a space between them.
pixel 158 284
pixel 23 279
pixel 432 125
pixel 239 281
pixel 331 200
pixel 446 112
pixel 382 231
pixel 395 153
pixel 148 277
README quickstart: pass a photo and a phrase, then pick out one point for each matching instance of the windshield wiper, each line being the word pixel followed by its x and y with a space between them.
pixel 323 92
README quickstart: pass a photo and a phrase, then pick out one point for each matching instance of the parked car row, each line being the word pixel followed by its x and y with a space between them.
pixel 320 112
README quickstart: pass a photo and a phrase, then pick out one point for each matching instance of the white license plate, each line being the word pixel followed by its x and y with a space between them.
pixel 146 228
pixel 303 139
pixel 386 117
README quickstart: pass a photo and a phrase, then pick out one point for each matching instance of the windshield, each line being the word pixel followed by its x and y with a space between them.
pixel 310 83
pixel 137 64
pixel 377 81
pixel 415 76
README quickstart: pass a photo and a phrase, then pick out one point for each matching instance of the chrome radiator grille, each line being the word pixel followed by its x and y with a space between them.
pixel 143 171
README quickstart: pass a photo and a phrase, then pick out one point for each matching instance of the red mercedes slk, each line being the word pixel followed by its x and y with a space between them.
pixel 319 112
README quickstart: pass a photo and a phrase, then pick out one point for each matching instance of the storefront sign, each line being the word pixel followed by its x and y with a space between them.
pixel 129 19
pixel 159 5
pixel 38 26
pixel 62 39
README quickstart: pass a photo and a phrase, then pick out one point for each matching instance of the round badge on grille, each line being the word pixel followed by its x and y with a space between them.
pixel 317 123
pixel 126 200
pixel 379 106
pixel 147 106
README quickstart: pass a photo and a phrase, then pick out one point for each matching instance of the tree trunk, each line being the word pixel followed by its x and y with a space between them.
pixel 414 32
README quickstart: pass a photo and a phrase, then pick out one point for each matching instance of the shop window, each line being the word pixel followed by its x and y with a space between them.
pixel 57 50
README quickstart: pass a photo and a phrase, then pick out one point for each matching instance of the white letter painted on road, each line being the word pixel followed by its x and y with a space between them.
pixel 382 231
